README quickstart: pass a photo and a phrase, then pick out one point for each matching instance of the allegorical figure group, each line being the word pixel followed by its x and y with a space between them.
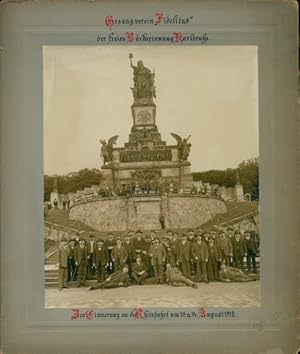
pixel 176 259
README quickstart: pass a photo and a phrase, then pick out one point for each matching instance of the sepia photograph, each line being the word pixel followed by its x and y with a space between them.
pixel 151 176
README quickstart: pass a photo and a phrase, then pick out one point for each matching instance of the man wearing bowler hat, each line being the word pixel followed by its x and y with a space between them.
pixel 81 262
pixel 100 260
pixel 184 256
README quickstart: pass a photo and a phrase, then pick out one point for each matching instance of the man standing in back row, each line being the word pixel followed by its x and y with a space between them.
pixel 184 256
pixel 81 262
pixel 63 257
pixel 158 256
pixel 100 260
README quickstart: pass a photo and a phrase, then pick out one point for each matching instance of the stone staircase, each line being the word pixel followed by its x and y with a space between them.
pixel 236 212
pixel 51 278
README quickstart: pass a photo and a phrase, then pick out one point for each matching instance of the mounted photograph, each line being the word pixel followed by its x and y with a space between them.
pixel 151 176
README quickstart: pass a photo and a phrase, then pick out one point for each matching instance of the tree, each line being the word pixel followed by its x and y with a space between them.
pixel 71 182
pixel 249 176
pixel 248 172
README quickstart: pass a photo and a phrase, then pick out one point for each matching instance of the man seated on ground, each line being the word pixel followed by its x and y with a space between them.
pixel 118 279
pixel 175 277
pixel 139 273
pixel 230 274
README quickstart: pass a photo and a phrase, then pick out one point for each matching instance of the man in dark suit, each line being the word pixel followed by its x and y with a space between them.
pixel 91 247
pixel 251 251
pixel 200 256
pixel 170 252
pixel 239 250
pixel 119 255
pixel 230 235
pixel 110 244
pixel 62 260
pixel 138 243
pixel 158 257
pixel 139 271
pixel 71 262
pixel 192 238
pixel 81 262
pixel 205 237
pixel 184 256
pixel 100 260
pixel 225 247
pixel 214 258
pixel 130 251
pixel 118 279
pixel 76 239
pixel 145 255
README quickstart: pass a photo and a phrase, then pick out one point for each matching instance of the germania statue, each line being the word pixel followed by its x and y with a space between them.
pixel 143 78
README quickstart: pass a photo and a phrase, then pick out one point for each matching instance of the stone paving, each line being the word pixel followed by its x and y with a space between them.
pixel 207 295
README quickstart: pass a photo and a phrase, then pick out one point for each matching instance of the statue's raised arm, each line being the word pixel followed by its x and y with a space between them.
pixel 130 58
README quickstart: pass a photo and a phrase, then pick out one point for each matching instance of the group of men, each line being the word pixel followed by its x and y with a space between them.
pixel 196 255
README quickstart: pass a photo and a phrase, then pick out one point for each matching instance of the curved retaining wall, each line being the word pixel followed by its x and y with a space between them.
pixel 144 212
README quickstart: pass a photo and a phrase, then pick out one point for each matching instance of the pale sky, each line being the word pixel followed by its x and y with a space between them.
pixel 210 92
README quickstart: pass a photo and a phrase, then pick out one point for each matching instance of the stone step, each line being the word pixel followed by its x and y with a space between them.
pixel 51 281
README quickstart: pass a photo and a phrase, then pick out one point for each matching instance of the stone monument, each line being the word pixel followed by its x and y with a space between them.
pixel 145 184
pixel 239 189
pixel 145 153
